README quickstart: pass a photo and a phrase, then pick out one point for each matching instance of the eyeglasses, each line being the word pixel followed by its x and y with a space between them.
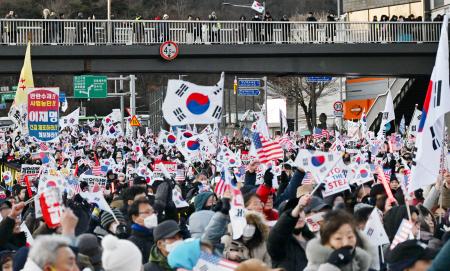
pixel 147 213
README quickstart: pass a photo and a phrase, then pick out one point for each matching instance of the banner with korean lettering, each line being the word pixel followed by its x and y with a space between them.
pixel 158 173
pixel 32 171
pixel 43 113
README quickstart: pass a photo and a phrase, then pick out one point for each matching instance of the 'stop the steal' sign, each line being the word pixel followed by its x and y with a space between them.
pixel 43 113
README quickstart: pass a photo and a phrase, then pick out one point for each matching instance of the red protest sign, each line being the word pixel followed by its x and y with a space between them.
pixel 386 186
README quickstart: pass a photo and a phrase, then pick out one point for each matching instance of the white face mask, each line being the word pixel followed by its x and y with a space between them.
pixel 172 246
pixel 249 231
pixel 151 221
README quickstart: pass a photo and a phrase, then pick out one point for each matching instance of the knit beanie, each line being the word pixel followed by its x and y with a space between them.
pixel 106 218
pixel 185 255
pixel 120 254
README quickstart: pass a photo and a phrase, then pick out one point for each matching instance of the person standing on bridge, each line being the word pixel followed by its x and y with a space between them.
pixel 11 27
pixel 190 30
pixel 46 26
pixel 268 27
pixel 214 29
pixel 256 29
pixel 138 29
pixel 285 29
pixel 198 30
pixel 312 27
pixel 242 30
pixel 165 28
pixel 80 28
pixel 331 26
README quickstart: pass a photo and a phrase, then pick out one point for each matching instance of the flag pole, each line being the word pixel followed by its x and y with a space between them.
pixel 443 161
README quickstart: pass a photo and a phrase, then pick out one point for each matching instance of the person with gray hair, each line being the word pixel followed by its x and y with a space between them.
pixel 51 253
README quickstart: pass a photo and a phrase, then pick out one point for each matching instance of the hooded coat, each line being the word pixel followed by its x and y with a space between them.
pixel 201 199
pixel 198 222
pixel 318 254
pixel 260 251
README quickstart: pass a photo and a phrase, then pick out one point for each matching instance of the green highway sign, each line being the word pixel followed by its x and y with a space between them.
pixel 7 97
pixel 90 86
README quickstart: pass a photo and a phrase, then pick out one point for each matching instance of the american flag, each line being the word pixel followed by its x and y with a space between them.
pixel 179 175
pixel 43 146
pixel 320 133
pixel 308 179
pixel 97 171
pixel 403 233
pixel 220 188
pixel 74 185
pixel 286 143
pixel 267 150
pixel 209 262
pixel 387 175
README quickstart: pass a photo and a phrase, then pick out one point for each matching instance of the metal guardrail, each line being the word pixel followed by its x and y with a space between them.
pixel 128 32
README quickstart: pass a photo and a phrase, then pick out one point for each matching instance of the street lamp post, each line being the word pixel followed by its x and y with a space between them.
pixel 109 21
pixel 109 9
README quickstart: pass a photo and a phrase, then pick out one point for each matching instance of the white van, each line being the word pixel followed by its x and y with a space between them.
pixel 5 123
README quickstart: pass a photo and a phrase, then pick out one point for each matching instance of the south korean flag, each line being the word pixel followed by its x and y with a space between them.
pixel 188 103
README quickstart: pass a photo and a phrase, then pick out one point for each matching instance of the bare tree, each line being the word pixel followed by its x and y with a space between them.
pixel 304 94
pixel 181 9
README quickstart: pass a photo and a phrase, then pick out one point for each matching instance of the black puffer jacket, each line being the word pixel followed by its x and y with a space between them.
pixel 284 249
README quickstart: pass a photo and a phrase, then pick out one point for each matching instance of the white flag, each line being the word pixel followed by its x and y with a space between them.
pixel 98 199
pixel 188 103
pixel 258 7
pixel 414 124
pixel 375 230
pixel 388 114
pixel 429 139
pixel 28 235
pixel 283 122
pixel 363 174
pixel 237 214
pixel 70 120
pixel 261 126
pixel 317 162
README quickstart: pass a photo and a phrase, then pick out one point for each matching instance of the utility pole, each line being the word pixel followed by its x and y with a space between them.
pixel 133 99
pixel 265 96
pixel 341 99
pixel 122 103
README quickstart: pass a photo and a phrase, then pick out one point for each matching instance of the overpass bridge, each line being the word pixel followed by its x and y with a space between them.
pixel 400 49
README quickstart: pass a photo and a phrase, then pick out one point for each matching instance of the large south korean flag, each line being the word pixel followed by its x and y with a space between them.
pixel 188 103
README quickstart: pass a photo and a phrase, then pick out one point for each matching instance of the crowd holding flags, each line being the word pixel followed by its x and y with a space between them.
pixel 237 201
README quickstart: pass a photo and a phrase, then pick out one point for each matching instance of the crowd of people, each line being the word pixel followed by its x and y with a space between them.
pixel 144 217
pixel 261 28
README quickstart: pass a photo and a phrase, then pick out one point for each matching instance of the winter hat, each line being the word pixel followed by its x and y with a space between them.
pixel 406 254
pixel 316 205
pixel 106 218
pixel 185 255
pixel 20 258
pixel 120 254
pixel 88 245
pixel 166 229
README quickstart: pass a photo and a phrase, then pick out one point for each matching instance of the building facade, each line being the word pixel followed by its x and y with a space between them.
pixel 365 10
pixel 439 7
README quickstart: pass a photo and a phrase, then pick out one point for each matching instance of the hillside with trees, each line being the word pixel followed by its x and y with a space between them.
pixel 148 9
